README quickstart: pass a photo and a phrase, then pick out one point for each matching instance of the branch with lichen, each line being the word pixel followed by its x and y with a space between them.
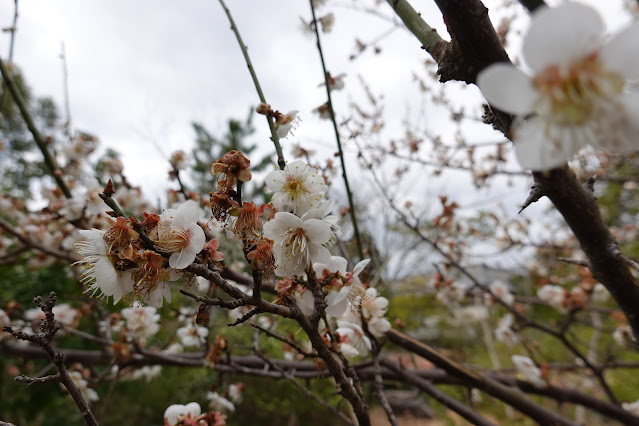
pixel 428 37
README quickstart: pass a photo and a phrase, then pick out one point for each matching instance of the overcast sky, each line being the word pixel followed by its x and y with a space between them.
pixel 141 71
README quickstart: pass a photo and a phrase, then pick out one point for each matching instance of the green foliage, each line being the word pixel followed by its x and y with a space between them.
pixel 21 284
pixel 209 148
pixel 21 162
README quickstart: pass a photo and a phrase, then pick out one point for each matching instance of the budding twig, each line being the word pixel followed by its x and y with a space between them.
pixel 48 328
pixel 271 124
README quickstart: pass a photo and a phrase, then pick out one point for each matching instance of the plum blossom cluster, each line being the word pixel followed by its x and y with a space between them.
pixel 302 230
pixel 141 322
pixel 367 312
pixel 358 311
pixel 117 261
pixel 90 395
pixel 303 226
pixel 529 370
pixel 565 300
pixel 580 92
pixel 191 414
pixel 192 335
pixel 242 220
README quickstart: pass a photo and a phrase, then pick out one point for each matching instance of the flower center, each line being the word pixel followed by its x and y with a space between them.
pixel 570 94
pixel 294 186
pixel 296 241
pixel 295 245
pixel 174 240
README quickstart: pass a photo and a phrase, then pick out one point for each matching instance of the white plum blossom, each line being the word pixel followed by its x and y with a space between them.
pixel 579 92
pixel 174 348
pixel 235 392
pixel 353 341
pixel 64 314
pixel 141 321
pixel 192 335
pixel 470 314
pixel 305 301
pixel 266 322
pixel 373 305
pixel 297 189
pixel 176 412
pixel 155 297
pixel 623 335
pixel 600 293
pixel 297 243
pixel 527 368
pixel 219 403
pixel 324 213
pixel 186 314
pixel 326 22
pixel 4 321
pixel 554 295
pixel 341 295
pixel 335 83
pixel 100 274
pixel 147 372
pixel 203 284
pixel 87 393
pixel 284 123
pixel 33 315
pixel 180 234
pixel 504 332
pixel 337 301
pixel 501 291
pixel 452 294
pixel 632 407
pixel 336 264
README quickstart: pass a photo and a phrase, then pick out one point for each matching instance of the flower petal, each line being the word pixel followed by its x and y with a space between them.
pixel 623 139
pixel 620 53
pixel 559 35
pixel 275 180
pixel 507 88
pixel 190 212
pixel 536 150
pixel 319 253
pixel 319 232
pixel 361 265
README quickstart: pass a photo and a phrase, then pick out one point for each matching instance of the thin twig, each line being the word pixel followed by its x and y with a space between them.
pixel 65 90
pixel 271 124
pixel 349 194
pixel 379 392
pixel 306 391
pixel 289 342
pixel 32 244
pixel 13 29
pixel 445 399
pixel 48 329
